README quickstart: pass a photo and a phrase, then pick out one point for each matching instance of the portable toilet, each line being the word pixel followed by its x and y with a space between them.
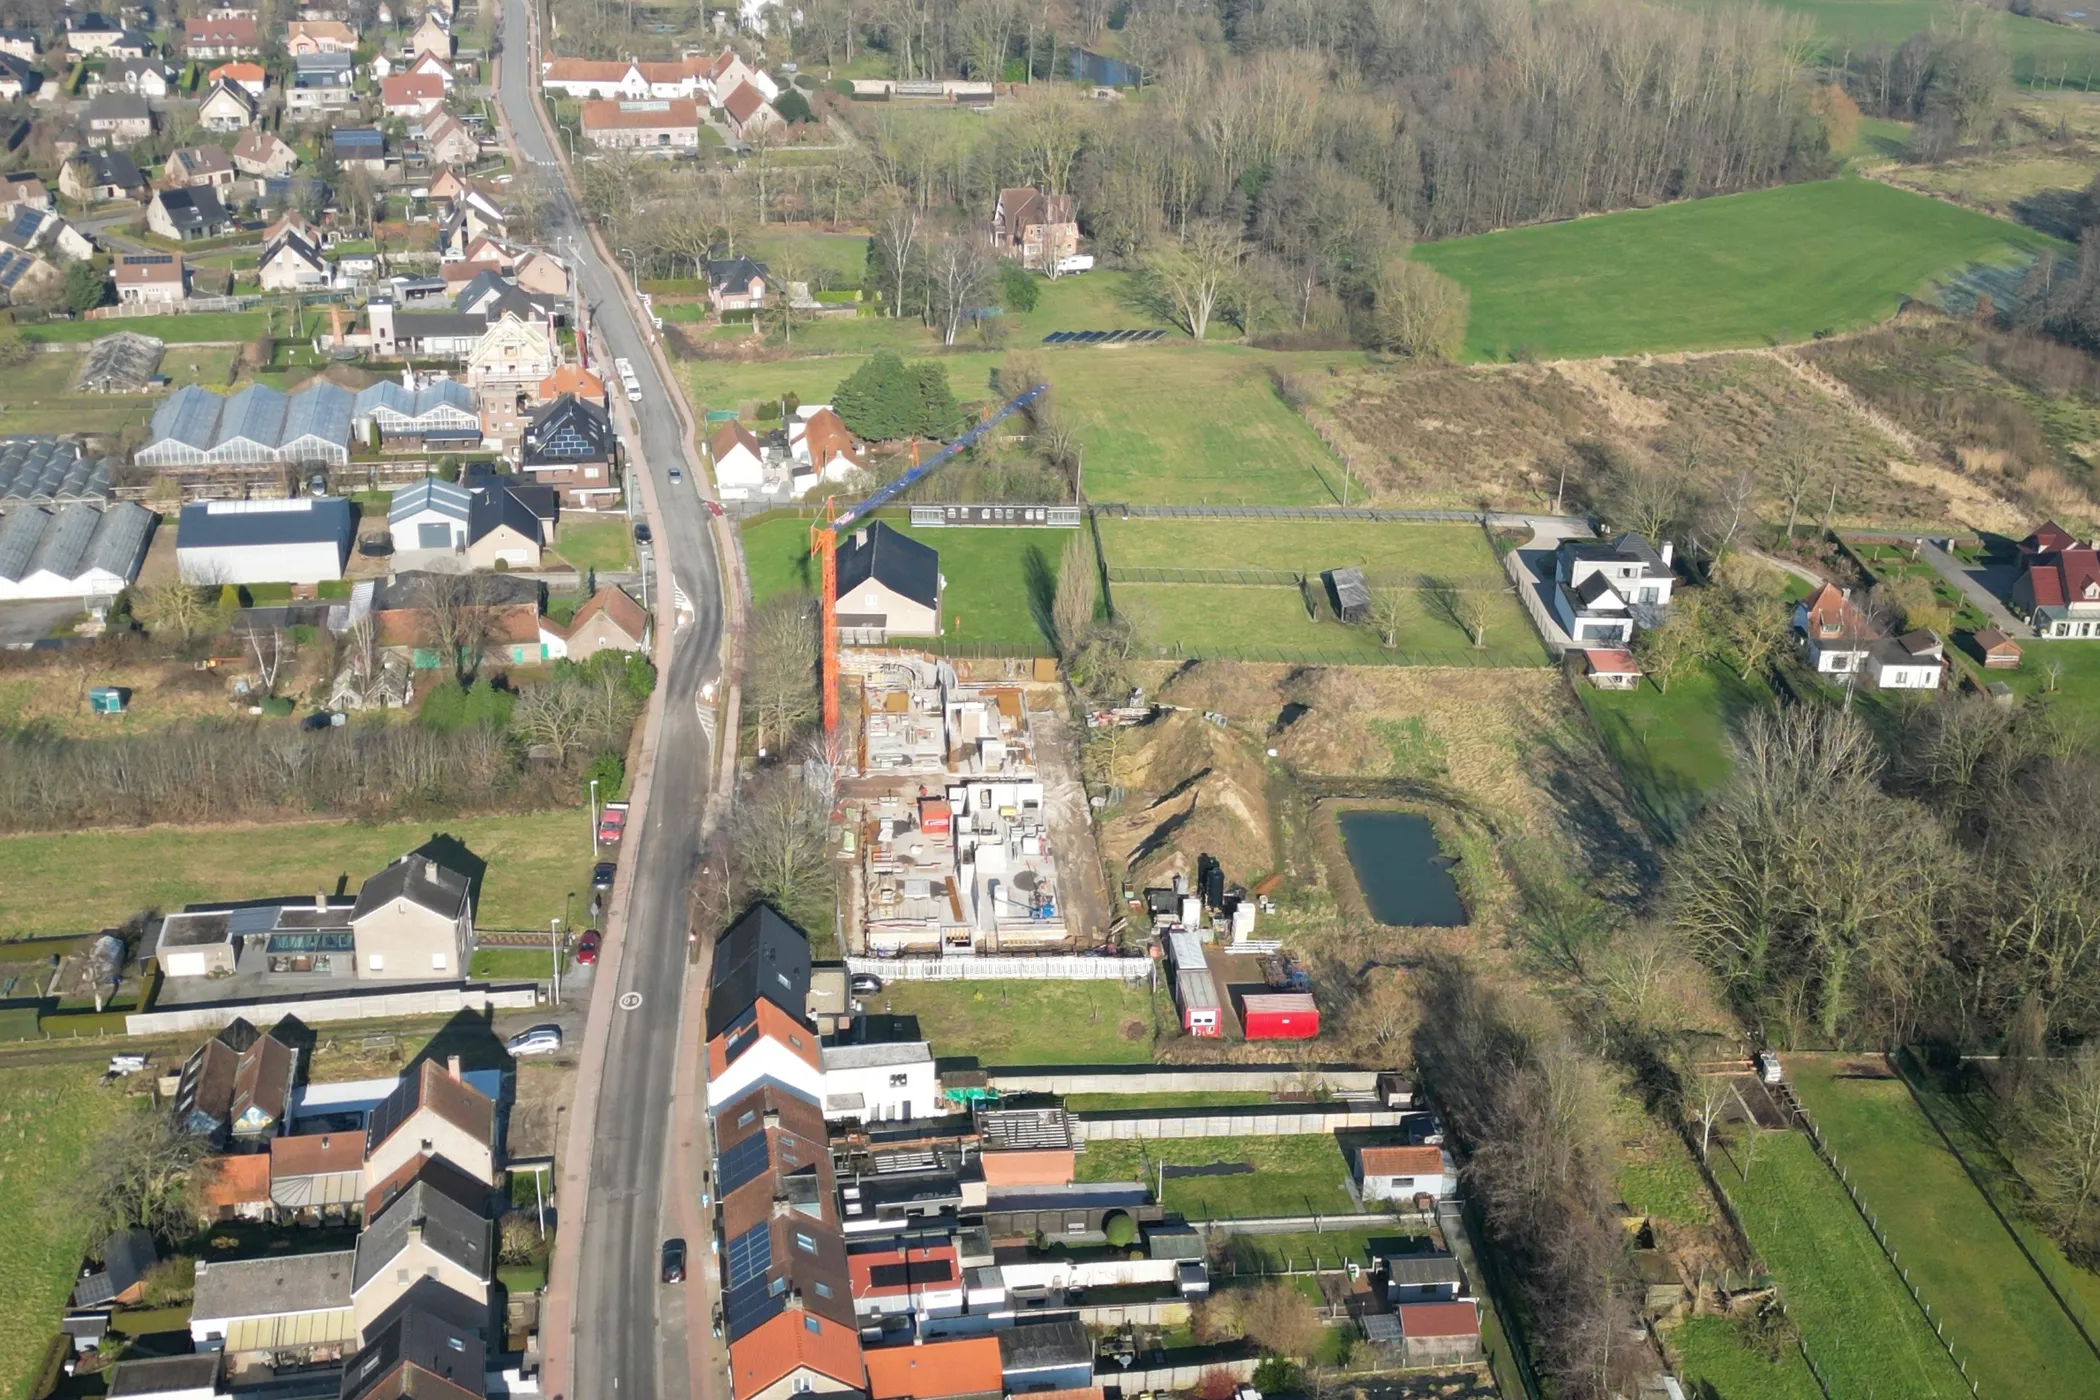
pixel 106 700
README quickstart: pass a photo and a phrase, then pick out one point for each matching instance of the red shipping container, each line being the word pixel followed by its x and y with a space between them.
pixel 934 815
pixel 1279 1016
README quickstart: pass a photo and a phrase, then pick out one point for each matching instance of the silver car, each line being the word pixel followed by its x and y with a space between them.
pixel 538 1040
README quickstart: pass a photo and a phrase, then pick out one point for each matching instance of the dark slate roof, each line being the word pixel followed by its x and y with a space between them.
pixel 196 208
pixel 307 520
pixel 430 1086
pixel 111 168
pixel 735 272
pixel 361 138
pixel 1033 1346
pixel 424 1342
pixel 566 413
pixel 418 879
pixel 119 106
pixel 1627 548
pixel 159 1375
pixel 900 563
pixel 126 1255
pixel 496 506
pixel 760 956
pixel 452 1230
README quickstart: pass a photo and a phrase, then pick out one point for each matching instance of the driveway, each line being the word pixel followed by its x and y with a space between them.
pixel 1979 586
pixel 23 624
pixel 1531 568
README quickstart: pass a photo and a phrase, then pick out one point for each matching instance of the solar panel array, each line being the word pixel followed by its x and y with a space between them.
pixel 742 1164
pixel 14 267
pixel 750 1255
pixel 1102 337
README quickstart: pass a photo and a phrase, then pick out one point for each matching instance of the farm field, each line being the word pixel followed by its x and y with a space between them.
pixel 1164 424
pixel 92 880
pixel 52 1118
pixel 1998 1312
pixel 38 397
pixel 1854 1313
pixel 1294 1175
pixel 999 582
pixel 1765 267
pixel 1672 746
pixel 1029 1023
pixel 2042 53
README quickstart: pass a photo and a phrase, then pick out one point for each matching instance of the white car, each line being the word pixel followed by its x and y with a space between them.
pixel 538 1040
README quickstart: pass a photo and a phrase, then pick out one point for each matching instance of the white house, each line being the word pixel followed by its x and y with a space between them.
pixel 1836 637
pixel 765 1045
pixel 1912 661
pixel 818 439
pixel 305 540
pixel 740 469
pixel 880 1083
pixel 1401 1174
pixel 428 515
pixel 291 262
pixel 1603 590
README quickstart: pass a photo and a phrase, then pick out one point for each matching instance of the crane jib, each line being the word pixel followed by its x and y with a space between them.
pixel 919 473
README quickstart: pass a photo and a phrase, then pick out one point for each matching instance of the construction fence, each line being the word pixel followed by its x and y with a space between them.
pixel 425 1001
pixel 1251 1120
pixel 998 968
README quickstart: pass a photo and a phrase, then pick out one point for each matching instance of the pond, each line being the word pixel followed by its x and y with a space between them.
pixel 1405 879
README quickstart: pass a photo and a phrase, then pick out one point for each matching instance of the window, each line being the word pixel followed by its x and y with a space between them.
pixel 898 1081
pixel 375 963
pixel 779 1287
pixel 823 1289
pixel 813 1325
pixel 1403 1183
pixel 805 1244
pixel 745 1120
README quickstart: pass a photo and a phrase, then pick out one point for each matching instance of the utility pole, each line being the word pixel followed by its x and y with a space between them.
pixel 554 950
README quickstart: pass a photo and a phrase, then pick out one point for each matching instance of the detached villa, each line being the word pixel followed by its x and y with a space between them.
pixel 1837 639
pixel 2059 584
pixel 1603 590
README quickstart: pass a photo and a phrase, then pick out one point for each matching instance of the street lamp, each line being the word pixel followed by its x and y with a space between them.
pixel 594 819
pixel 633 274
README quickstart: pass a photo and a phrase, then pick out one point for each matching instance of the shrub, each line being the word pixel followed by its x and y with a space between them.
pixel 886 399
pixel 1119 1229
pixel 794 107
pixel 1018 288
pixel 277 705
pixel 769 411
pixel 609 771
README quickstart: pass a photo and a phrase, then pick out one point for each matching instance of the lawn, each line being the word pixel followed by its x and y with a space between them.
pixel 98 879
pixel 2041 52
pixel 2065 676
pixel 587 543
pixel 523 964
pixel 38 397
pixel 842 256
pixel 1999 1314
pixel 1157 425
pixel 1029 1022
pixel 1672 747
pixel 1194 1098
pixel 1299 1174
pixel 1853 1310
pixel 998 581
pixel 1750 269
pixel 1307 1249
pixel 1719 1359
pixel 53 1115
pixel 208 327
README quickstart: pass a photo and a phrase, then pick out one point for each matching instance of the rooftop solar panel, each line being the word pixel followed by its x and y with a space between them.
pixel 750 1255
pixel 742 1164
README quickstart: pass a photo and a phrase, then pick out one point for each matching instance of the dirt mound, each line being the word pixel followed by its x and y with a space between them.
pixel 1192 787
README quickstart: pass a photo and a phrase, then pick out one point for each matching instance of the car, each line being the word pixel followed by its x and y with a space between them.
pixel 587 948
pixel 641 532
pixel 865 984
pixel 612 823
pixel 674 1261
pixel 602 875
pixel 676 476
pixel 535 1040
pixel 714 508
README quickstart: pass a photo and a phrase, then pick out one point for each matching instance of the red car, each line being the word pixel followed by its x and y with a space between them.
pixel 714 508
pixel 587 948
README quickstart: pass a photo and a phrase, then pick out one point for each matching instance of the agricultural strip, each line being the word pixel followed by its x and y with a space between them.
pixel 1750 269
pixel 1999 1315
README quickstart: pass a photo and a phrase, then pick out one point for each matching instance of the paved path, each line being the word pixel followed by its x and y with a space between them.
pixel 611 1331
pixel 1530 567
pixel 1955 572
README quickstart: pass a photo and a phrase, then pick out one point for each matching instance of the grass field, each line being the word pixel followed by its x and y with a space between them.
pixel 604 545
pixel 1029 1023
pixel 1325 1249
pixel 998 581
pixel 98 879
pixel 1098 301
pixel 1718 1361
pixel 1168 424
pixel 1999 1314
pixel 521 963
pixel 38 397
pixel 2063 675
pixel 49 1121
pixel 1750 269
pixel 2041 52
pixel 1857 1318
pixel 208 327
pixel 1672 747
pixel 1294 1175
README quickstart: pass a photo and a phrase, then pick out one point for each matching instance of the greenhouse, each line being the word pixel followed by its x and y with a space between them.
pixel 258 426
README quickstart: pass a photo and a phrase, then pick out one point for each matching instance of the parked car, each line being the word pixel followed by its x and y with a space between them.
pixel 602 875
pixel 865 984
pixel 587 948
pixel 674 1261
pixel 714 508
pixel 535 1040
pixel 641 532
pixel 612 823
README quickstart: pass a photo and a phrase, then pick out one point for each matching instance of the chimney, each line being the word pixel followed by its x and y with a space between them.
pixel 415 1232
pixel 794 1300
pixel 1668 550
pixel 781 1207
pixel 452 1068
pixel 772 1119
pixel 321 901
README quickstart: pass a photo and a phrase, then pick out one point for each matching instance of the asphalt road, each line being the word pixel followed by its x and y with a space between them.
pixel 616 1354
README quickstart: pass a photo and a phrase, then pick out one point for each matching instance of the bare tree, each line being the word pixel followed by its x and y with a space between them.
pixel 1465 608
pixel 1072 610
pixel 778 831
pixel 1391 606
pixel 457 618
pixel 1277 1318
pixel 959 277
pixel 177 609
pixel 1420 312
pixel 1192 278
pixel 140 1177
pixel 898 236
pixel 1049 129
pixel 557 718
pixel 780 677
pixel 266 645
pixel 2062 1139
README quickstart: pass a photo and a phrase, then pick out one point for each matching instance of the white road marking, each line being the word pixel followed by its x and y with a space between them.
pixel 630 1000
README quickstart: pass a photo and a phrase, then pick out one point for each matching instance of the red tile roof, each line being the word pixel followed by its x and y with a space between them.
pixel 584 70
pixel 1831 616
pixel 219 33
pixel 1401 1161
pixel 679 112
pixel 1611 661
pixel 934 1370
pixel 925 1266
pixel 2064 576
pixel 404 88
pixel 744 103
pixel 317 1154
pixel 573 379
pixel 2049 538
pixel 234 1181
pixel 769 1353
pixel 238 73
pixel 620 609
pixel 1439 1320
pixel 773 1024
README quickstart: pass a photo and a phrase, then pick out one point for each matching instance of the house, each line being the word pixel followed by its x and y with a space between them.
pixel 880 1082
pixel 127 1256
pixel 78 549
pixel 512 354
pixel 359 148
pixel 1037 230
pixel 1415 1277
pixel 259 153
pixel 541 274
pixel 1912 661
pixel 1401 1174
pixel 1604 590
pixel 724 74
pixel 188 214
pixel 304 36
pixel 1836 636
pixel 96 177
pixel 234 1188
pixel 428 518
pixel 760 957
pixel 796 1351
pixel 116 119
pixel 226 36
pixel 736 284
pixel 511 632
pixel 1440 1334
pixel 418 1353
pixel 568 445
pixel 414 920
pixel 1999 652
pixel 1610 668
pixel 433 35
pixel 1055 1355
pixel 44 234
pixel 818 438
pixel 199 167
pixel 432 1112
pixel 23 189
pixel 748 114
pixel 227 107
pixel 740 467
pixel 314 93
pixel 446 137
pixel 409 94
pixel 318 1176
pixel 279 1306
pixel 424 1233
pixel 148 77
pixel 237 1086
pixel 609 620
pixel 247 76
pixel 92 32
pixel 603 79
pixel 655 125
pixel 303 540
pixel 26 275
pixel 17 78
pixel 2058 585
pixel 292 262
pixel 764 1045
pixel 953 1368
pixel 21 43
pixel 888 584
pixel 572 379
pixel 149 277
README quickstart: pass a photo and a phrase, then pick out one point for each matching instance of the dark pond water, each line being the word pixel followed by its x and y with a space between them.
pixel 1403 876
